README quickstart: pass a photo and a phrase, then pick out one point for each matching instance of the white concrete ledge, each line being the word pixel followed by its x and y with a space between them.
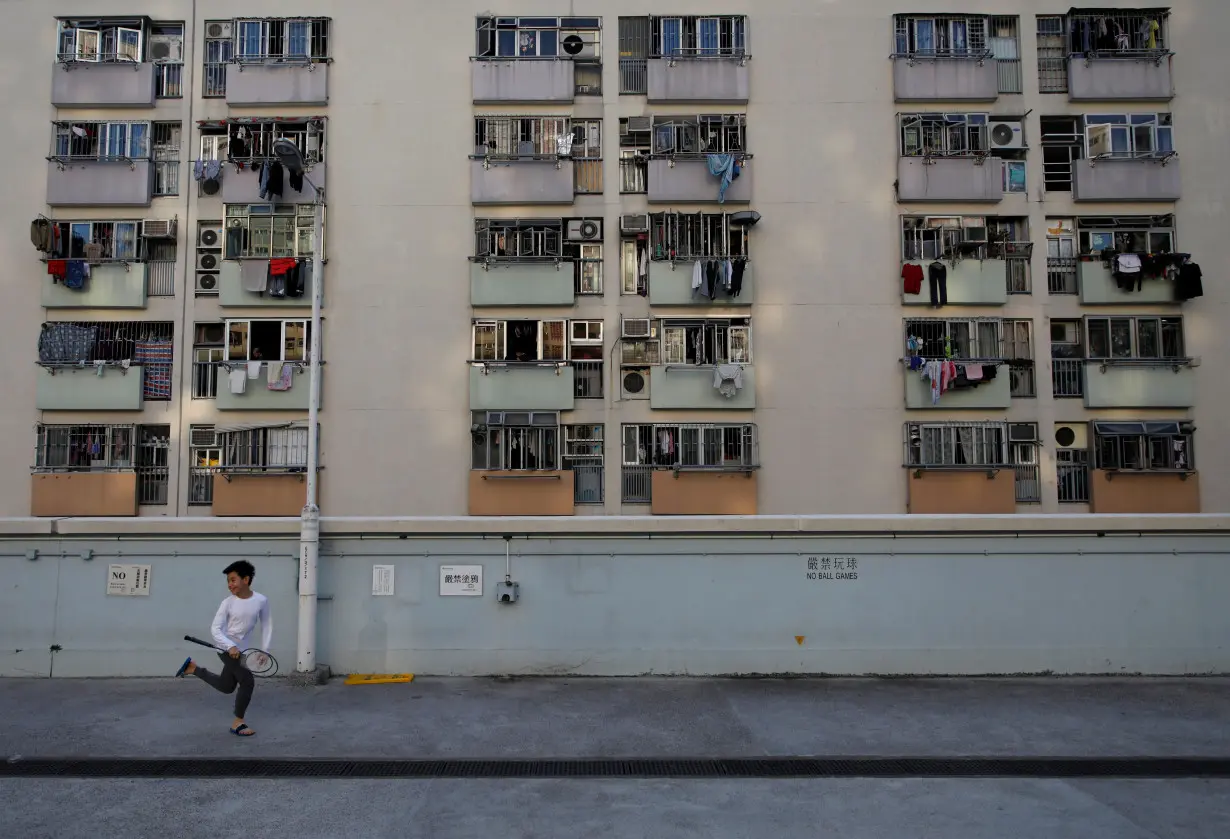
pixel 619 526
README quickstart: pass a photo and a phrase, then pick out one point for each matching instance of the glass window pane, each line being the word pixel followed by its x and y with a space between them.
pixel 298 32
pixel 293 346
pixel 1121 338
pixel 1148 339
pixel 527 42
pixel 548 42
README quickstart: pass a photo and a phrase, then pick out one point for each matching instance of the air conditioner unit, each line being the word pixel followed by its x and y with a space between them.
pixel 157 228
pixel 219 29
pixel 1072 436
pixel 634 383
pixel 207 261
pixel 203 437
pixel 211 186
pixel 209 237
pixel 166 48
pixel 634 223
pixel 580 43
pixel 206 283
pixel 210 333
pixel 1022 432
pixel 637 328
pixel 1006 135
pixel 584 230
pixel 640 123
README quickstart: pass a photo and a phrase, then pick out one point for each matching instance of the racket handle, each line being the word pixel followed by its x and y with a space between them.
pixel 199 641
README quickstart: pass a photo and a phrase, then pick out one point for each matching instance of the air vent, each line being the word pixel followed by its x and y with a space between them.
pixel 634 383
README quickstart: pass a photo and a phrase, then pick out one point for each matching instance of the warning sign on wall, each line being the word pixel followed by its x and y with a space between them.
pixel 128 580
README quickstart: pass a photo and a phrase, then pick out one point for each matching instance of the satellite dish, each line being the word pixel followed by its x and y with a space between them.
pixel 573 44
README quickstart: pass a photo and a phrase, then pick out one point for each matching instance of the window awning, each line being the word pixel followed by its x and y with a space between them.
pixel 1132 429
pixel 230 429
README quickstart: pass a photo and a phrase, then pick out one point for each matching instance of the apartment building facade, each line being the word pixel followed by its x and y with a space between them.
pixel 591 260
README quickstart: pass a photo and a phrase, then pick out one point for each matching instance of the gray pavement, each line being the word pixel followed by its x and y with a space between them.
pixel 621 718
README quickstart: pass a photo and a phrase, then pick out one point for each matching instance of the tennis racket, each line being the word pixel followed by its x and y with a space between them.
pixel 259 662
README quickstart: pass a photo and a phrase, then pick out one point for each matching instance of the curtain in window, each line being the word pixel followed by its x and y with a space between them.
pixel 298 39
pixel 250 39
pixel 672 36
pixel 965 446
pixel 707 30
pixel 116 141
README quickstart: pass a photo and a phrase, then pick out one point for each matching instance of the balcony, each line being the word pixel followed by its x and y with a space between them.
pixel 703 79
pixel 522 283
pixel 231 292
pixel 274 494
pixel 682 387
pixel 965 178
pixel 83 493
pixel 1098 287
pixel 99 183
pixel 1164 383
pixel 88 387
pixel 521 180
pixel 1141 493
pixel 244 187
pixel 985 491
pixel 683 180
pixel 670 284
pixel 103 84
pixel 1150 178
pixel 704 492
pixel 112 285
pixel 518 493
pixel 256 394
pixel 971 282
pixel 525 386
pixel 522 81
pixel 929 78
pixel 272 83
pixel 1140 77
pixel 995 394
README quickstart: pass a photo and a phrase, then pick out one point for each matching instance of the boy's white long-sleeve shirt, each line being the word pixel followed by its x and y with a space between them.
pixel 236 621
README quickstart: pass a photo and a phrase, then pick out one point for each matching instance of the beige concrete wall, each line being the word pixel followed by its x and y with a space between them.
pixel 258 495
pixel 704 493
pixel 827 317
pixel 83 494
pixel 540 493
pixel 961 493
pixel 1128 492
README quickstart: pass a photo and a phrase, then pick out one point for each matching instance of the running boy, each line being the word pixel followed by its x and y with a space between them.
pixel 232 630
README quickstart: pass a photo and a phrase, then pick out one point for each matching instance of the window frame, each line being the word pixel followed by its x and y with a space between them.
pixel 273 40
pixel 1121 134
pixel 1135 340
pixel 300 230
pixel 136 134
pixel 669 230
pixel 945 440
pixel 709 438
pixel 733 336
pixel 972 128
pixel 497 328
pixel 1123 446
pixel 951 338
pixel 542 427
pixel 114 33
pixel 303 342
pixel 113 448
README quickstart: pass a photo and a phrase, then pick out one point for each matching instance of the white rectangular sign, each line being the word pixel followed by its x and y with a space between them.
pixel 128 580
pixel 382 580
pixel 465 580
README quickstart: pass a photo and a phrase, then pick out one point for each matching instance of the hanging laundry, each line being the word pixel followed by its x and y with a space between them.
pixel 286 377
pixel 236 242
pixel 262 176
pixel 736 277
pixel 156 359
pixel 295 179
pixel 61 343
pixel 722 166
pixel 296 278
pixel 1190 283
pixel 937 279
pixel 238 147
pixel 727 274
pixel 275 179
pixel 728 379
pixel 93 253
pixel 912 277
pixel 57 268
pixel 253 275
pixel 41 235
pixel 973 372
pixel 698 275
pixel 198 169
pixel 238 380
pixel 213 170
pixel 254 369
pixel 75 275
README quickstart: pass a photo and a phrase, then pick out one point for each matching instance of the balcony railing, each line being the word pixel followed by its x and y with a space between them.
pixel 637 484
pixel 633 75
pixel 587 175
pixel 1028 484
pixel 205 379
pixel 160 278
pixel 214 83
pixel 1061 275
pixel 587 481
pixel 633 175
pixel 169 81
pixel 1067 378
pixel 200 487
pixel 1073 479
pixel 1024 385
pixel 588 379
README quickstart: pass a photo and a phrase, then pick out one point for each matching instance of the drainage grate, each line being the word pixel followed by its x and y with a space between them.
pixel 772 767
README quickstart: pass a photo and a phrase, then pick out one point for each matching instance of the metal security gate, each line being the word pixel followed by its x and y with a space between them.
pixel 152 465
pixel 634 55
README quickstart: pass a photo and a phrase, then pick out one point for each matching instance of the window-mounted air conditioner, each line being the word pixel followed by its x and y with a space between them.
pixel 634 383
pixel 204 437
pixel 638 223
pixel 584 230
pixel 637 328
pixel 1022 432
pixel 157 228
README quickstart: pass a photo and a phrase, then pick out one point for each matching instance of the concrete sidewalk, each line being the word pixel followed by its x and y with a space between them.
pixel 484 718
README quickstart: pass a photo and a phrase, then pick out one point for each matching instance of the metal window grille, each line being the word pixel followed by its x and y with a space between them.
pixel 169 81
pixel 1062 146
pixel 218 54
pixel 692 236
pixel 956 445
pixel 266 449
pixel 160 278
pixel 692 446
pixel 944 135
pixel 515 441
pixel 972 339
pixel 166 157
pixel 1061 275
pixel 1052 54
pixel 1146 451
pixel 153 473
pixel 1004 42
pixel 633 55
pixel 106 343
pixel 84 448
pixel 520 136
pixel 103 140
pixel 692 36
pixel 1126 33
pixel 583 456
pixel 281 39
pixel 588 379
pixel 1072 467
pixel 1067 378
pixel 101 241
